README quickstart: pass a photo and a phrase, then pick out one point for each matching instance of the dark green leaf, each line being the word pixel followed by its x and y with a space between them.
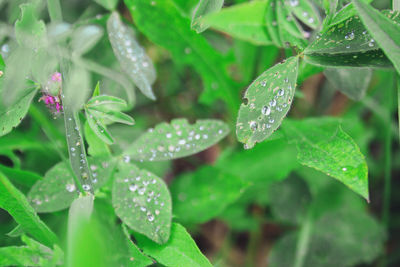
pixel 21 178
pixel 176 140
pixel 15 203
pixel 180 248
pixel 268 101
pixel 143 202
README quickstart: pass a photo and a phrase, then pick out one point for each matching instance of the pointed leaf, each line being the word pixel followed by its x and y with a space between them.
pixel 243 21
pixel 15 203
pixel 107 102
pixel 304 11
pixel 114 116
pixel 57 190
pixel 96 146
pixel 142 201
pixel 203 8
pixel 131 56
pixel 180 248
pixel 139 259
pixel 323 145
pixel 98 127
pixel 176 140
pixel 268 101
pixel 384 29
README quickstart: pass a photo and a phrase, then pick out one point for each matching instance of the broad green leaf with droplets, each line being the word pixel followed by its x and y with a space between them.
pixel 11 116
pixel 57 190
pixel 186 46
pixel 347 44
pixel 16 204
pixel 352 82
pixel 84 38
pixel 108 4
pixel 194 193
pixel 244 21
pixel 142 201
pixel 180 248
pixel 268 100
pixel 177 139
pixel 385 29
pixel 132 57
pixel 204 7
pixel 323 145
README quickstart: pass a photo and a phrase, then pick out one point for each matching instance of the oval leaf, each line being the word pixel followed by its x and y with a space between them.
pixel 57 190
pixel 268 101
pixel 131 56
pixel 176 140
pixel 142 201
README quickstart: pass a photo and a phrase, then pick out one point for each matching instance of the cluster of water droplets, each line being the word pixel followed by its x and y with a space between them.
pixel 177 139
pixel 131 55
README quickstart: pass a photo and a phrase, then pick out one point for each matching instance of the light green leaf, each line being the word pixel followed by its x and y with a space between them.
pixel 98 127
pixel 352 82
pixel 304 11
pixel 84 38
pixel 15 203
pixel 185 45
pixel 194 193
pixel 142 201
pixel 57 190
pixel 323 145
pixel 244 21
pixel 204 7
pixel 114 116
pixel 96 146
pixel 132 57
pixel 137 256
pixel 108 4
pixel 107 102
pixel 347 44
pixel 180 248
pixel 268 100
pixel 77 88
pixel 383 28
pixel 176 140
pixel 29 31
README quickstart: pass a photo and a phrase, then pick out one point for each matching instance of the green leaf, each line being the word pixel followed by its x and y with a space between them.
pixel 176 140
pixel 131 56
pixel 96 146
pixel 304 11
pixel 268 100
pixel 22 178
pixel 108 4
pixel 142 201
pixel 11 116
pixel 107 102
pixel 180 248
pixel 323 145
pixel 77 89
pixel 114 116
pixel 96 91
pixel 352 82
pixel 345 13
pixel 383 28
pixel 137 256
pixel 194 193
pixel 204 7
pixel 57 190
pixel 15 203
pixel 29 31
pixel 185 45
pixel 244 21
pixel 347 44
pixel 84 38
pixel 98 127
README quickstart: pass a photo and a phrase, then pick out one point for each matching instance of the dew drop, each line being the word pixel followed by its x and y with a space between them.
pixel 350 36
pixel 150 217
pixel 371 43
pixel 133 187
pixel 253 125
pixel 86 187
pixel 272 103
pixel 266 110
pixel 168 135
pixel 70 187
pixel 281 92
pixel 263 83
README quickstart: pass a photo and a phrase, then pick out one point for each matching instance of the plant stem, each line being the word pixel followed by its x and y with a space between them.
pixel 303 241
pixel 54 8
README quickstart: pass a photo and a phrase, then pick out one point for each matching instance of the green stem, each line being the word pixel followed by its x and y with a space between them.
pixel 303 241
pixel 54 8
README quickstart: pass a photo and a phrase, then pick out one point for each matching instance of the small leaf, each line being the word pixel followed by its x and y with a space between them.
pixel 57 190
pixel 268 101
pixel 108 4
pixel 142 201
pixel 304 11
pixel 180 248
pixel 114 116
pixel 323 145
pixel 96 146
pixel 84 38
pixel 131 56
pixel 353 82
pixel 107 102
pixel 176 140
pixel 98 127
pixel 15 203
pixel 204 7
pixel 347 44
pixel 96 91
pixel 384 29
pixel 194 193
pixel 243 21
